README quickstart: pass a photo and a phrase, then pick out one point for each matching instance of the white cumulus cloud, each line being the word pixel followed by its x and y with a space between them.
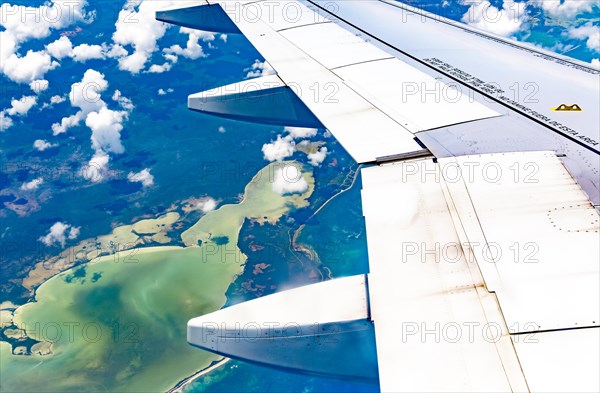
pixel 97 168
pixel 84 52
pixel 106 126
pixel 5 122
pixel 54 100
pixel 206 205
pixel 317 157
pixel 193 49
pixel 66 123
pixel 123 101
pixel 259 68
pixel 588 32
pixel 21 106
pixel 503 21
pixel 137 26
pixel 301 132
pixel 162 92
pixel 74 232
pixel 85 95
pixel 279 149
pixel 32 185
pixel 159 69
pixel 289 180
pixel 23 23
pixel 57 99
pixel 18 107
pixel 60 48
pixel 41 145
pixel 39 86
pixel 565 9
pixel 116 51
pixel 28 68
pixel 59 232
pixel 144 176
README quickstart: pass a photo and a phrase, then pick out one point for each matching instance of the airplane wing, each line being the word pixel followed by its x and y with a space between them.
pixel 480 196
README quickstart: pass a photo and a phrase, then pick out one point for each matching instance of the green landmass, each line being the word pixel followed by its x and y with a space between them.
pixel 118 322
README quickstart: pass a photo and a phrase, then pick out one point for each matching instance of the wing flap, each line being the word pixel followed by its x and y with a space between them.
pixel 416 100
pixel 429 318
pixel 341 48
pixel 283 15
pixel 534 228
pixel 490 247
pixel 560 361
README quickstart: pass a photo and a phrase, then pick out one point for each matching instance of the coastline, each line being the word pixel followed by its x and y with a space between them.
pixel 134 301
pixel 178 388
pixel 309 252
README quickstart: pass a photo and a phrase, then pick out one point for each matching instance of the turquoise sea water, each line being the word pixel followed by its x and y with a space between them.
pixel 242 377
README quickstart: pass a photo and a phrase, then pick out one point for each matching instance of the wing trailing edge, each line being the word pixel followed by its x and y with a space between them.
pixel 265 100
pixel 317 323
pixel 205 17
